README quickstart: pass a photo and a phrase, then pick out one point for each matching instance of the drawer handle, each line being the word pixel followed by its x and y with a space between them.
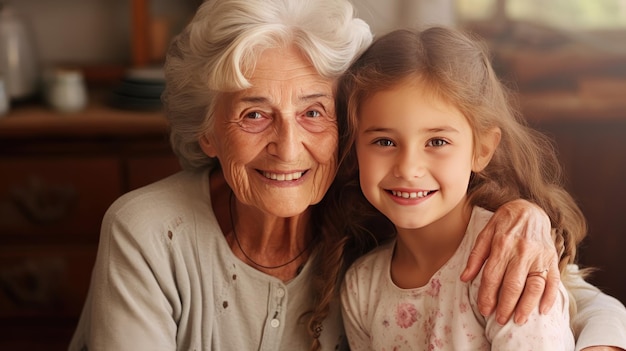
pixel 33 283
pixel 44 203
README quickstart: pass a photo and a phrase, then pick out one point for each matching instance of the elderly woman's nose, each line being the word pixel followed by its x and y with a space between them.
pixel 286 143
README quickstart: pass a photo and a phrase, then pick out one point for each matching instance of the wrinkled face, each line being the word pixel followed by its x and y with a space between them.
pixel 415 155
pixel 277 141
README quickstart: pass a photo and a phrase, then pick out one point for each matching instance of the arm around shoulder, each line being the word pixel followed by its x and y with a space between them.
pixel 600 320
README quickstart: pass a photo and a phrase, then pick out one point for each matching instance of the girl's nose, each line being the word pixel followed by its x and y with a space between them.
pixel 409 165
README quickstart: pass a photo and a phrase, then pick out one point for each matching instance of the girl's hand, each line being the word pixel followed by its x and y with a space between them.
pixel 602 348
pixel 515 243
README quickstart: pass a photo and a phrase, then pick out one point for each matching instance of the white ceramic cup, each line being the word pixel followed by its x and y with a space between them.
pixel 66 90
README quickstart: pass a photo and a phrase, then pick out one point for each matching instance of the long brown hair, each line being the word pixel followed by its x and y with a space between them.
pixel 456 68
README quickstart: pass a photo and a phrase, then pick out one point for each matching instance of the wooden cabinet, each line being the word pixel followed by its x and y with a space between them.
pixel 58 175
pixel 590 134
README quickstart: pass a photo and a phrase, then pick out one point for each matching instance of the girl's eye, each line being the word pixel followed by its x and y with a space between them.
pixel 437 142
pixel 383 142
pixel 313 113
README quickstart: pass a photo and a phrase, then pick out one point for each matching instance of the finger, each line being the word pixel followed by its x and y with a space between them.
pixel 513 285
pixel 475 261
pixel 479 254
pixel 490 283
pixel 552 287
pixel 533 291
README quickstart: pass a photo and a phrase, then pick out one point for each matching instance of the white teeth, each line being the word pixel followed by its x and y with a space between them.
pixel 412 195
pixel 283 177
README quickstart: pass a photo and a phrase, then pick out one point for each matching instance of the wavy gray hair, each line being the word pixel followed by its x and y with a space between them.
pixel 222 43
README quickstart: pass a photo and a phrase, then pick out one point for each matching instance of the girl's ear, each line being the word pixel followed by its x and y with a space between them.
pixel 207 146
pixel 488 143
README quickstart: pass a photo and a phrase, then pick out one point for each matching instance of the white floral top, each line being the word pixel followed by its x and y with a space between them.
pixel 442 315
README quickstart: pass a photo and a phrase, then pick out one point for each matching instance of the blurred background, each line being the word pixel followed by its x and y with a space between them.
pixel 81 124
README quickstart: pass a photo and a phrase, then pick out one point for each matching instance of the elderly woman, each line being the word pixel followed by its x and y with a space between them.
pixel 231 253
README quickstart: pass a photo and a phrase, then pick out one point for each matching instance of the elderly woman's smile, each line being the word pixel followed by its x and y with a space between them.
pixel 276 141
pixel 283 177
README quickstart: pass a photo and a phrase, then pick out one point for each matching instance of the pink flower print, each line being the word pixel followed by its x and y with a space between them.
pixel 435 286
pixel 463 307
pixel 406 315
pixel 435 344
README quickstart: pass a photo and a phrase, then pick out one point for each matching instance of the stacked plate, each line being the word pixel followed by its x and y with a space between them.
pixel 140 89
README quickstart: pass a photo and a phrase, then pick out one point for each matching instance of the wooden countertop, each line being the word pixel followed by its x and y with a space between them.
pixel 563 106
pixel 97 119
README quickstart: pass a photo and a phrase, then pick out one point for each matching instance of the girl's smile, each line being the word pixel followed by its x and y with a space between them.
pixel 411 194
pixel 410 197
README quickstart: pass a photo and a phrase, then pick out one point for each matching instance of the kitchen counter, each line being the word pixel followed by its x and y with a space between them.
pixel 96 120
pixel 569 106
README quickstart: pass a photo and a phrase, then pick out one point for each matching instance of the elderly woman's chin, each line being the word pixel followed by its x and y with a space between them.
pixel 287 202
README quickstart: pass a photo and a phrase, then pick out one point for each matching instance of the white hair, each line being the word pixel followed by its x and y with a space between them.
pixel 222 43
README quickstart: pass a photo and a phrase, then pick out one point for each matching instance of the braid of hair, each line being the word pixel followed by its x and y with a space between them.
pixel 325 284
pixel 341 242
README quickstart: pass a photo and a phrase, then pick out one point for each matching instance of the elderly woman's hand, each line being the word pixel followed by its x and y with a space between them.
pixel 515 243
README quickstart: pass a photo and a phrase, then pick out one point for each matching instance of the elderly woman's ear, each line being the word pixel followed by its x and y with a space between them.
pixel 207 145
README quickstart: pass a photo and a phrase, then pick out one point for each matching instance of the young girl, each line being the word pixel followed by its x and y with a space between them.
pixel 438 147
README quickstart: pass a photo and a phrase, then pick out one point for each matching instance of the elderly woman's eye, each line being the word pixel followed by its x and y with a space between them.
pixel 253 115
pixel 313 113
